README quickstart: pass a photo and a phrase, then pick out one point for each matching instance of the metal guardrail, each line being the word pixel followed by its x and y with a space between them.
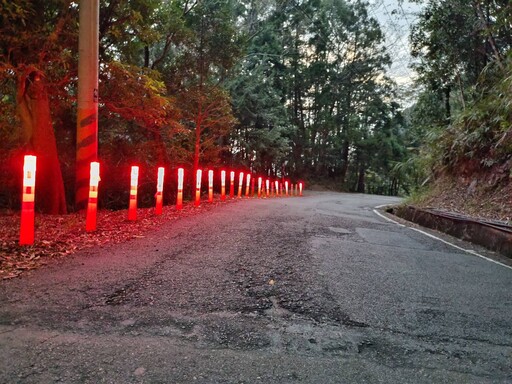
pixel 493 235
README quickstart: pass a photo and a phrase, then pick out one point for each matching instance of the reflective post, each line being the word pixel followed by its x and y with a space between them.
pixel 286 187
pixel 240 184
pixel 27 201
pixel 267 187
pixel 199 174
pixel 210 186
pixel 259 187
pixel 232 184
pixel 179 196
pixel 252 187
pixel 248 182
pixel 223 185
pixel 272 188
pixel 300 188
pixel 277 187
pixel 159 191
pixel 92 204
pixel 134 181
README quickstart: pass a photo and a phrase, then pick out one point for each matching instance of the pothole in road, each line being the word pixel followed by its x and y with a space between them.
pixel 342 231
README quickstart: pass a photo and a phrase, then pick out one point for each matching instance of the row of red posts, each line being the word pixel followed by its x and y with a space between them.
pixel 270 188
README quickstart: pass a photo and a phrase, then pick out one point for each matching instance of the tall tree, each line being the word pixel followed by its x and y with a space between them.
pixel 35 50
pixel 198 73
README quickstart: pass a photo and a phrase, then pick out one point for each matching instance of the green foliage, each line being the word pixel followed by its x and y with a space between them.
pixel 465 63
pixel 293 88
pixel 482 132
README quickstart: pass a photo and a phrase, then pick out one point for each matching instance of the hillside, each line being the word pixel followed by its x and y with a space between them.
pixel 482 195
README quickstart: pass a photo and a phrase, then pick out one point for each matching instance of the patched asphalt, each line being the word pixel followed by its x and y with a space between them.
pixel 317 289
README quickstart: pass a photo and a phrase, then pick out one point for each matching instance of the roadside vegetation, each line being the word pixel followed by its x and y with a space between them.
pixel 295 88
pixel 463 115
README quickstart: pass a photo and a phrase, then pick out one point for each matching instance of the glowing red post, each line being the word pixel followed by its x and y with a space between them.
pixel 259 186
pixel 92 205
pixel 223 185
pixel 286 187
pixel 134 181
pixel 272 188
pixel 267 187
pixel 27 201
pixel 232 184
pixel 179 196
pixel 159 191
pixel 300 188
pixel 240 184
pixel 247 184
pixel 210 186
pixel 277 187
pixel 252 187
pixel 199 174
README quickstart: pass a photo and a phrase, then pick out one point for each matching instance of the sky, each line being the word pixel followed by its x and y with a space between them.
pixel 396 18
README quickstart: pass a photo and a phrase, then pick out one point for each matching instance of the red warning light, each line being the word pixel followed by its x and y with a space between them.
pixel 286 187
pixel 159 191
pixel 272 188
pixel 92 205
pixel 240 184
pixel 252 187
pixel 210 186
pixel 134 181
pixel 300 188
pixel 199 174
pixel 27 201
pixel 179 197
pixel 259 186
pixel 247 184
pixel 267 187
pixel 277 187
pixel 232 184
pixel 223 185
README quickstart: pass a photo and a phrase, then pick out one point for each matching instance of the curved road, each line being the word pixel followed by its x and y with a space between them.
pixel 318 289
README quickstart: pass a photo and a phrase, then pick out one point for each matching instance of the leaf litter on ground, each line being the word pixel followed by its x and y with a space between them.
pixel 58 236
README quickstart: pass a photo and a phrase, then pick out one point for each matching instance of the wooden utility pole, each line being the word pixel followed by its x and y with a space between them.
pixel 87 117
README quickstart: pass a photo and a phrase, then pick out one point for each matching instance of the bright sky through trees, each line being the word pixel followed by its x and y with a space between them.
pixel 396 18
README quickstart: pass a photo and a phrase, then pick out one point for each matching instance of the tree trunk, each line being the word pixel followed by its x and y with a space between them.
pixel 197 150
pixel 344 161
pixel 34 113
pixel 345 131
pixel 447 91
pixel 360 179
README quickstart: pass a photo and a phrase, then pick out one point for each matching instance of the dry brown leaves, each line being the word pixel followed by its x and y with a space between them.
pixel 59 236
pixel 483 202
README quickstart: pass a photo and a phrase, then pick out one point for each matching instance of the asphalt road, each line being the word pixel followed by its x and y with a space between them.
pixel 317 289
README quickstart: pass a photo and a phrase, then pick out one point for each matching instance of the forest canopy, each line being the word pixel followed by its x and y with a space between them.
pixel 295 88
